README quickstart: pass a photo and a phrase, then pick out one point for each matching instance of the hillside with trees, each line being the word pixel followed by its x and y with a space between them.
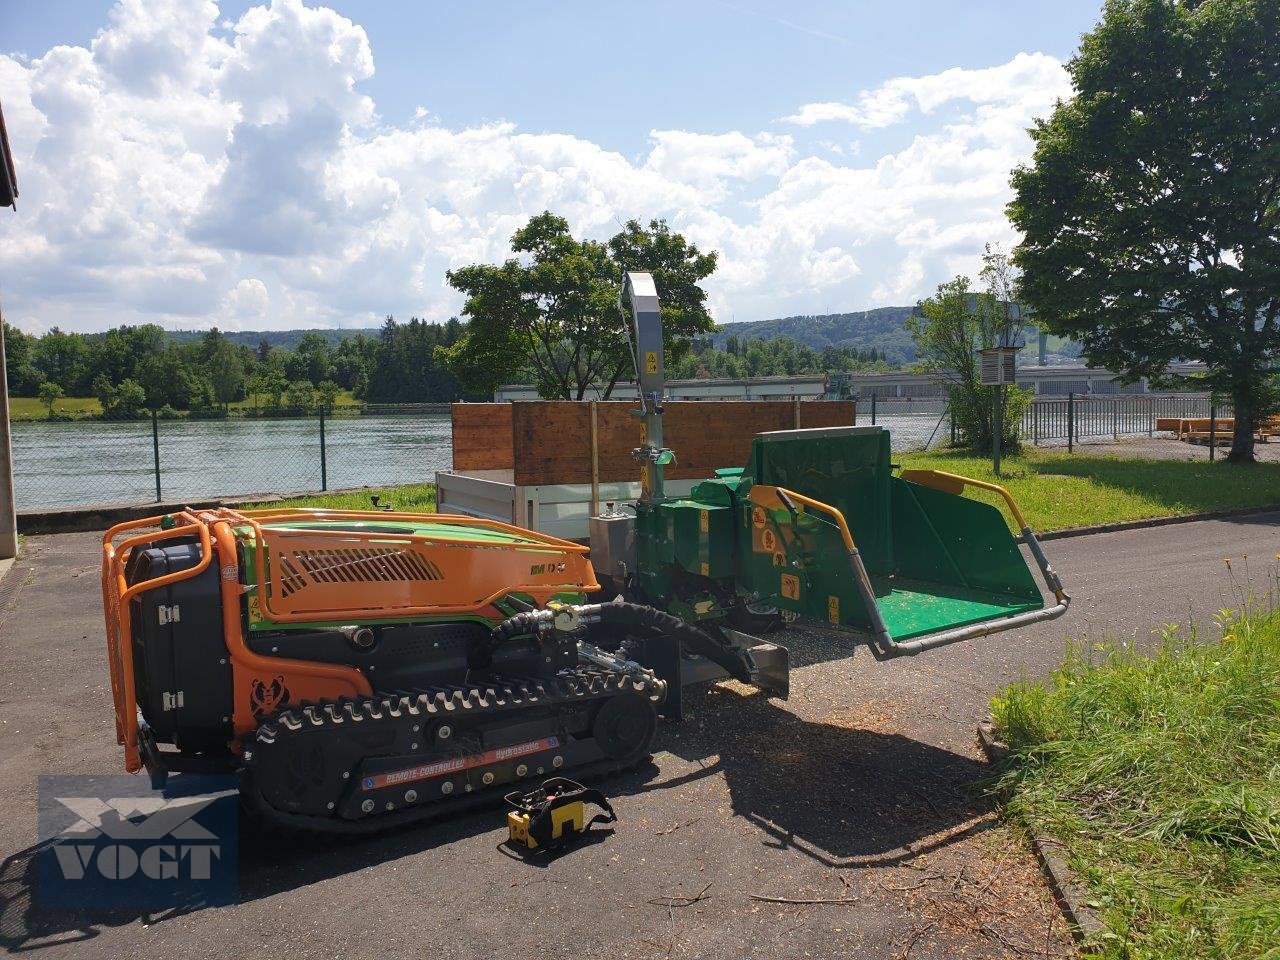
pixel 882 330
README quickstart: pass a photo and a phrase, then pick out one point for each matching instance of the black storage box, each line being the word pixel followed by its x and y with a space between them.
pixel 182 672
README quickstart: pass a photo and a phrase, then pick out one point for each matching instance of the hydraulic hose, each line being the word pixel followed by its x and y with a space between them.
pixel 626 616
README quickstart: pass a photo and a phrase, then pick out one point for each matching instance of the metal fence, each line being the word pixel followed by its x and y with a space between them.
pixel 1071 419
pixel 922 423
pixel 97 462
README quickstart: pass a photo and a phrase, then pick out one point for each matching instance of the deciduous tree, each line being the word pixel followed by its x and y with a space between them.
pixel 551 312
pixel 1151 208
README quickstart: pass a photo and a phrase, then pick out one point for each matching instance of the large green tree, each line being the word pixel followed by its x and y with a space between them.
pixel 551 313
pixel 1150 211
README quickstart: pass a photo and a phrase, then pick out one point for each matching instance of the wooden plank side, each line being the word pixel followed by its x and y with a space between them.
pixel 552 439
pixel 482 436
pixel 827 413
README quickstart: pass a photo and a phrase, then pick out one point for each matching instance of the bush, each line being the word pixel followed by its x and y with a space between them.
pixel 971 409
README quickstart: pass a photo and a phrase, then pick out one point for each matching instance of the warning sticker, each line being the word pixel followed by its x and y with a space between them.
pixel 768 540
pixel 440 768
pixel 790 586
pixel 779 559
pixel 757 516
pixel 833 609
pixel 704 522
pixel 651 362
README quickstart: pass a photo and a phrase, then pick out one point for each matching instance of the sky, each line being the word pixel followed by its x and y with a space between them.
pixel 277 165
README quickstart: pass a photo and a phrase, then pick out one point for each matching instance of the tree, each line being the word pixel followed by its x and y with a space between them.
pixel 225 365
pixel 62 358
pixel 171 378
pixel 328 392
pixel 301 395
pixel 50 393
pixel 105 391
pixel 270 383
pixel 553 315
pixel 310 359
pixel 949 328
pixel 19 356
pixel 1151 208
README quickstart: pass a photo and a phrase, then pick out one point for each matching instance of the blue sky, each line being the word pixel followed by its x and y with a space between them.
pixel 273 166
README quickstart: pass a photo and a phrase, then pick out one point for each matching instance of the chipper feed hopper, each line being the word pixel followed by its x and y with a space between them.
pixel 361 669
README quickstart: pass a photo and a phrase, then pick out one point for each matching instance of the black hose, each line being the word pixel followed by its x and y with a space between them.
pixel 628 617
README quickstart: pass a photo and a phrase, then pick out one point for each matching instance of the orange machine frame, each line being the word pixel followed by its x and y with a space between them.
pixel 491 569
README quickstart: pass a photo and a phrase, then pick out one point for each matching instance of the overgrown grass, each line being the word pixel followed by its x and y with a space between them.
pixel 1057 490
pixel 1160 778
pixel 416 498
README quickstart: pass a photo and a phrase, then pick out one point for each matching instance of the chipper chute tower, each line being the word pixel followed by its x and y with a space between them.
pixel 360 669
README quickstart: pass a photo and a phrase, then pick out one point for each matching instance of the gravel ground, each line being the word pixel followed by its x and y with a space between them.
pixel 865 789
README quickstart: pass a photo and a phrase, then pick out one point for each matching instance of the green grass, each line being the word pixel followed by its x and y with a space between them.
pixel 30 408
pixel 1057 490
pixel 345 399
pixel 1160 778
pixel 413 498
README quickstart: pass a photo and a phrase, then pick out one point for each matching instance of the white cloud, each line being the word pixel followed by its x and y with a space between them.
pixel 1029 78
pixel 190 171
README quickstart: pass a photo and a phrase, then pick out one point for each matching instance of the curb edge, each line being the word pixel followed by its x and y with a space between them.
pixel 1085 924
pixel 1123 525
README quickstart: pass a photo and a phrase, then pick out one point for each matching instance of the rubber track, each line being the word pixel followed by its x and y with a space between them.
pixel 460 704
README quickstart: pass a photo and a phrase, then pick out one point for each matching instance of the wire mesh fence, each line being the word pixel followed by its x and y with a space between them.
pixel 92 463
pixel 106 461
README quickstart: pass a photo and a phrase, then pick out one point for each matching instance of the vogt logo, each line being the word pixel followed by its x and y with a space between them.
pixel 114 842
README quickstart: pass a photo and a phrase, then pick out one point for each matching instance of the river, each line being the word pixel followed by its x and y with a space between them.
pixel 81 463
pixel 88 462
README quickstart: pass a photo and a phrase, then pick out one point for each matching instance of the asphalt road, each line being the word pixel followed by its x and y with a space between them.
pixel 864 788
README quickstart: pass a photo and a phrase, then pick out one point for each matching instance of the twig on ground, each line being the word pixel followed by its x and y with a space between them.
pixel 911 941
pixel 1023 949
pixel 674 901
pixel 678 826
pixel 761 897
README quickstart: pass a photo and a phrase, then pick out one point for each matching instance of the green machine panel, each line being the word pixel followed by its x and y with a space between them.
pixel 699 536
